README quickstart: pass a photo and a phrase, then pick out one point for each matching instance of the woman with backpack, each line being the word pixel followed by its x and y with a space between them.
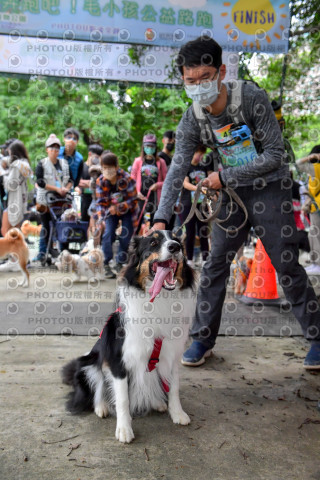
pixel 18 170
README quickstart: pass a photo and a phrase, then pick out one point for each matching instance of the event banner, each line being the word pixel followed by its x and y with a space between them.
pixel 238 25
pixel 92 60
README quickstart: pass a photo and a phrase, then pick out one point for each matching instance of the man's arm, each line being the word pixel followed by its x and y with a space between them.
pixel 102 202
pixel 84 183
pixel 304 166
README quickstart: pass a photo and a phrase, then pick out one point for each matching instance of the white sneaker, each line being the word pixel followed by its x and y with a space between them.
pixel 313 269
pixel 11 266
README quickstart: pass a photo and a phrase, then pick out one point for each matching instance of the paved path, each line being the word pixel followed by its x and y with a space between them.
pixel 253 409
pixel 54 304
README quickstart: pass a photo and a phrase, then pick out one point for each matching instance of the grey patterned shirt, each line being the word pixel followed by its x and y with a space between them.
pixel 268 166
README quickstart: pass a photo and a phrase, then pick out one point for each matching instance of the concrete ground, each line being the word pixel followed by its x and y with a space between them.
pixel 55 304
pixel 253 406
pixel 253 409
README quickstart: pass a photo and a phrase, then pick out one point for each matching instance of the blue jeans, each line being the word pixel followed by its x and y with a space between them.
pixel 109 237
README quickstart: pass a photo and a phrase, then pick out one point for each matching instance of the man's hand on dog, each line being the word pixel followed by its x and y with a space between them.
pixel 156 226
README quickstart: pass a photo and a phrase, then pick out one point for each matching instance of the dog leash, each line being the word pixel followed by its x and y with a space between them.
pixel 212 201
pixel 142 211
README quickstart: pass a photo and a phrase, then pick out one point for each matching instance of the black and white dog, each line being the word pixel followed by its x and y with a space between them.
pixel 133 367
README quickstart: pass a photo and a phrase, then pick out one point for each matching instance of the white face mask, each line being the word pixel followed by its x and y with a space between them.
pixel 109 173
pixel 205 93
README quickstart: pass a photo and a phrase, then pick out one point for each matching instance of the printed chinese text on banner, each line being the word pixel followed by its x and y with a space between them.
pixel 238 25
pixel 91 60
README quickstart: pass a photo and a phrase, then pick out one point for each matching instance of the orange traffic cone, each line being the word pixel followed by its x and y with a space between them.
pixel 262 284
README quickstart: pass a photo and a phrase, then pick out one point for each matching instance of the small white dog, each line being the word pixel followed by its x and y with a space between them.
pixel 89 265
pixel 89 246
pixel 70 215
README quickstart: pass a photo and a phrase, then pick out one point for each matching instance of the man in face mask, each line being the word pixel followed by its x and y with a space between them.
pixel 256 168
pixel 168 141
pixel 69 152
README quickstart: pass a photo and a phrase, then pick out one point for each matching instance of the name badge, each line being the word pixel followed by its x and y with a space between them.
pixel 235 145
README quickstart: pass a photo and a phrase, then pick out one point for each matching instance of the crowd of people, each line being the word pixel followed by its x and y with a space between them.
pixel 157 192
pixel 111 197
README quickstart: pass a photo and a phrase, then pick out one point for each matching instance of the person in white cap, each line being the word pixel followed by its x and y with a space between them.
pixel 52 174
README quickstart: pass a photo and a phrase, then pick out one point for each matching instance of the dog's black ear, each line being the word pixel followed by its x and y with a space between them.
pixel 129 273
pixel 134 242
pixel 188 276
pixel 133 250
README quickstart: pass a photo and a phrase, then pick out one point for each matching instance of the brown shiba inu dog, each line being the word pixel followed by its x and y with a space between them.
pixel 13 243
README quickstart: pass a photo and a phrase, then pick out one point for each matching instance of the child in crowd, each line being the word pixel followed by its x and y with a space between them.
pixel 196 173
pixel 116 200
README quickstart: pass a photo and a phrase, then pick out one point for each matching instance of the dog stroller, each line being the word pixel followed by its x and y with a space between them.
pixel 64 232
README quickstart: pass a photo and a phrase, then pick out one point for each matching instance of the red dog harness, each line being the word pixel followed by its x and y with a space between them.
pixel 154 359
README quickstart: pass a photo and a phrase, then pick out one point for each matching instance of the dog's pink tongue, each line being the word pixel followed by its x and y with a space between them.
pixel 159 278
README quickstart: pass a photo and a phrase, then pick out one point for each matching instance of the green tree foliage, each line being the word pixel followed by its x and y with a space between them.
pixel 301 67
pixel 116 116
pixel 32 109
pixel 306 23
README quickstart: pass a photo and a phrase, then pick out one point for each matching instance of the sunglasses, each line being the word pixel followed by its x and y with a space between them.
pixel 54 147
